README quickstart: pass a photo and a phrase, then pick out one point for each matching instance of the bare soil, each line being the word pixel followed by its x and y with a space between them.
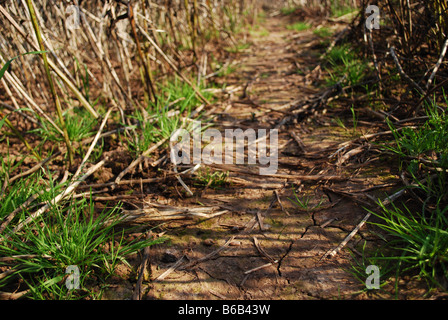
pixel 265 246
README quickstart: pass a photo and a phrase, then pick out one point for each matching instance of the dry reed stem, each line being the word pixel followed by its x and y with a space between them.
pixel 59 197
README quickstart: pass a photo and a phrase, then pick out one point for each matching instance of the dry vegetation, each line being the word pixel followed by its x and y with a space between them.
pixel 89 83
pixel 91 92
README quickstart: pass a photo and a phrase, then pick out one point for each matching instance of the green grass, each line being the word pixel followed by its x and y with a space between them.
pixel 305 203
pixel 322 32
pixel 419 242
pixel 258 30
pixel 423 152
pixel 288 10
pixel 359 266
pixel 354 119
pixel 340 123
pixel 211 179
pixel 417 236
pixel 337 54
pixel 345 65
pixel 142 136
pixel 341 8
pixel 342 11
pixel 226 71
pixel 178 100
pixel 71 233
pixel 299 26
pixel 238 47
pixel 424 147
pixel 261 17
pixel 337 8
pixel 423 142
pixel 21 190
pixel 79 123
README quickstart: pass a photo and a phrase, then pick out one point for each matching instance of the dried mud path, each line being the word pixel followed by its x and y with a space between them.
pixel 264 246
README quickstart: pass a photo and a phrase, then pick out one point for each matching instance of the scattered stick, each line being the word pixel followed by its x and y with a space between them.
pixel 386 201
pixel 22 256
pixel 137 161
pixel 111 198
pixel 350 154
pixel 114 184
pixel 170 270
pixel 366 137
pixel 12 296
pixel 34 168
pixel 182 182
pixel 11 108
pixel 210 255
pixel 375 61
pixel 170 213
pixel 92 145
pixel 439 62
pixel 442 84
pixel 142 271
pixel 260 267
pixel 347 194
pixel 11 216
pixel 405 76
pixel 287 176
pixel 217 294
pixel 262 252
pixel 348 238
pixel 298 140
pixel 247 228
pixel 59 197
pixel 260 219
pixel 280 203
pixel 326 223
pixel 174 138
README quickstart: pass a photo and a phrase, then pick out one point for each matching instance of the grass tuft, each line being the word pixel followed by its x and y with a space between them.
pixel 299 26
pixel 72 234
pixel 345 66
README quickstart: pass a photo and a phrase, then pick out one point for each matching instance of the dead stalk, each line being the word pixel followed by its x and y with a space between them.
pixel 50 80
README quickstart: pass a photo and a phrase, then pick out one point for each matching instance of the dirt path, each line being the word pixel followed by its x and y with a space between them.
pixel 260 249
